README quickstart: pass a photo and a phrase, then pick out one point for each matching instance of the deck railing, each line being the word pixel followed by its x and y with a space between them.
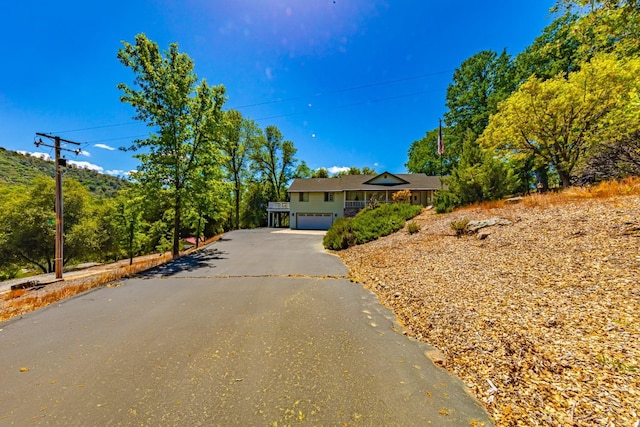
pixel 284 206
pixel 355 204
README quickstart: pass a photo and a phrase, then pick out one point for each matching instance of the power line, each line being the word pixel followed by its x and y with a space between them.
pixel 348 89
pixel 95 127
pixel 278 101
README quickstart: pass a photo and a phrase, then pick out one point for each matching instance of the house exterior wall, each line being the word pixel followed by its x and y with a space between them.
pixel 316 204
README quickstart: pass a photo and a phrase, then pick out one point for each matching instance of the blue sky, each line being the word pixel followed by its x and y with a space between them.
pixel 350 82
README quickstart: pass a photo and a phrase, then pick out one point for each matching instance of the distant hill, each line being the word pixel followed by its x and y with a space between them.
pixel 16 168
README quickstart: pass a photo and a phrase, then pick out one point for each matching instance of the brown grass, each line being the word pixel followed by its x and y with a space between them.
pixel 629 186
pixel 19 301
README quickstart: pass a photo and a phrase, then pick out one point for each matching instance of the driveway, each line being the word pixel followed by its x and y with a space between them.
pixel 259 329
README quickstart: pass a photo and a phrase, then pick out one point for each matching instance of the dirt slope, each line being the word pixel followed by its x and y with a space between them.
pixel 541 318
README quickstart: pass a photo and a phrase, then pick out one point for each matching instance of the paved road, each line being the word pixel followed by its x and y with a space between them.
pixel 257 329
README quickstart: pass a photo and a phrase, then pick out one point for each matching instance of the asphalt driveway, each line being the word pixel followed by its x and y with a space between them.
pixel 258 329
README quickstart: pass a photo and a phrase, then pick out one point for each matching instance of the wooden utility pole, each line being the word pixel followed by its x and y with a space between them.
pixel 59 255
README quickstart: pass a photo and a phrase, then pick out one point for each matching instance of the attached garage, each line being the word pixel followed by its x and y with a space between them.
pixel 314 221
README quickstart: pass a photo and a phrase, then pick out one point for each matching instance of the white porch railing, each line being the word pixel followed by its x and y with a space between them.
pixel 355 204
pixel 283 206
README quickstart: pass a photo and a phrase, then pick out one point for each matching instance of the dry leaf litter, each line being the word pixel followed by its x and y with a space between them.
pixel 540 316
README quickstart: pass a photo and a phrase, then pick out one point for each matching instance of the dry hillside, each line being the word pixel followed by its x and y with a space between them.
pixel 540 317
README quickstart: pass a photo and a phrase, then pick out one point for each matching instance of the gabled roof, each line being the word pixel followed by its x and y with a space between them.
pixel 383 181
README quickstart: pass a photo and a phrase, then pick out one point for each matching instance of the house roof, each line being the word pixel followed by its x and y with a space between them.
pixel 379 182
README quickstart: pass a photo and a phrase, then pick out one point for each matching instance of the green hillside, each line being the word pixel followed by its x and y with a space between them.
pixel 16 168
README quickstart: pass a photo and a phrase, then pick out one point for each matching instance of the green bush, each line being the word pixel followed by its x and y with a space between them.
pixel 459 226
pixel 369 225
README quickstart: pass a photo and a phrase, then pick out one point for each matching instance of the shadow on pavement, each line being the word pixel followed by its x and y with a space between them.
pixel 191 262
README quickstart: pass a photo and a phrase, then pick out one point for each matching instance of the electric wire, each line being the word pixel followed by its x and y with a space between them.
pixel 283 100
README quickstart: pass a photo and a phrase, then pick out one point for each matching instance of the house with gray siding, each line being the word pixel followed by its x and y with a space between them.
pixel 315 203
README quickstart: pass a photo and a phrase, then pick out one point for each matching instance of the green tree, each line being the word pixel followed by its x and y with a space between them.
pixel 27 229
pixel 424 157
pixel 555 51
pixel 320 173
pixel 606 26
pixel 238 136
pixel 479 84
pixel 303 170
pixel 255 202
pixel 368 171
pixel 183 112
pixel 478 176
pixel 560 119
pixel 274 162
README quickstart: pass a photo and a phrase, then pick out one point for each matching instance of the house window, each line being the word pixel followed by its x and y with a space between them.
pixel 303 197
pixel 328 196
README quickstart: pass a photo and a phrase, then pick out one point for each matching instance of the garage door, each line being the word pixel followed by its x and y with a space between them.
pixel 310 221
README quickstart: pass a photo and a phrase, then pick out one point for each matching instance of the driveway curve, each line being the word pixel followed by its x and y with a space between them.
pixel 261 328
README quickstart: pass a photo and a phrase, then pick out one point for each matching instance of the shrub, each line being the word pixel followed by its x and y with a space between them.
pixel 459 226
pixel 402 196
pixel 340 235
pixel 444 201
pixel 369 225
pixel 413 227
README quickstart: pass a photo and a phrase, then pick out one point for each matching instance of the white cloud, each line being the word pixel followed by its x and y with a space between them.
pixel 104 146
pixel 43 156
pixel 336 169
pixel 118 172
pixel 85 153
pixel 86 165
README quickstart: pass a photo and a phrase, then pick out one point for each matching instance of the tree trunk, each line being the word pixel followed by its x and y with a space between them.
pixel 565 178
pixel 175 252
pixel 237 225
pixel 198 230
pixel 131 243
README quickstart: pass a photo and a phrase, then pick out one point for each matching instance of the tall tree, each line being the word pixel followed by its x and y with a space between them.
pixel 555 51
pixel 478 85
pixel 182 113
pixel 274 161
pixel 238 136
pixel 27 231
pixel 606 26
pixel 559 119
pixel 320 173
pixel 424 157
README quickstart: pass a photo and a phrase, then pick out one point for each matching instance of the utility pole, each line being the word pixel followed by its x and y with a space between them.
pixel 59 258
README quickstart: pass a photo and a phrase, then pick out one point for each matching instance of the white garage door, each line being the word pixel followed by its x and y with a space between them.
pixel 310 221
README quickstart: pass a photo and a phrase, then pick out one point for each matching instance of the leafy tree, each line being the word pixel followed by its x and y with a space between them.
pixel 424 157
pixel 478 176
pixel 127 215
pixel 606 26
pixel 27 229
pixel 353 170
pixel 303 170
pixel 238 136
pixel 274 162
pixel 320 173
pixel 183 113
pixel 559 119
pixel 255 202
pixel 478 85
pixel 555 51
pixel 368 171
pixel 208 206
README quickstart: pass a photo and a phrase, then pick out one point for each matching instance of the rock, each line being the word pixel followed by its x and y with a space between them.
pixel 436 356
pixel 474 226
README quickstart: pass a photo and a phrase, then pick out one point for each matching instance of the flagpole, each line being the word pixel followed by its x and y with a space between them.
pixel 440 148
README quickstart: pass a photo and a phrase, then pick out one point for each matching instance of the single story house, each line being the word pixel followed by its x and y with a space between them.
pixel 315 203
